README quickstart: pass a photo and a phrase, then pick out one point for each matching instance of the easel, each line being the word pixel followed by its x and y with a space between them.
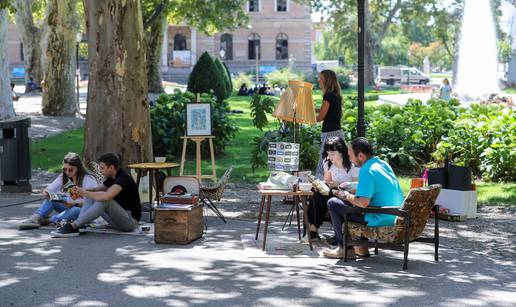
pixel 198 140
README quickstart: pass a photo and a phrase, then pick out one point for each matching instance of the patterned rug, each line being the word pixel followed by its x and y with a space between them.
pixel 281 245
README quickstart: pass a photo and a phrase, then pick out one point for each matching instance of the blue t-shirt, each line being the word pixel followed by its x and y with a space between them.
pixel 377 182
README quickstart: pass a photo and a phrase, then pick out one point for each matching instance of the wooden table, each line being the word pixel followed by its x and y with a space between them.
pixel 153 168
pixel 297 195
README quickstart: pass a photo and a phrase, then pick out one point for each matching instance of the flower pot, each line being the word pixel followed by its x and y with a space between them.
pixel 459 178
pixel 438 176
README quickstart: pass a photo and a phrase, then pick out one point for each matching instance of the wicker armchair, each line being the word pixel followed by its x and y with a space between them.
pixel 208 193
pixel 94 168
pixel 409 225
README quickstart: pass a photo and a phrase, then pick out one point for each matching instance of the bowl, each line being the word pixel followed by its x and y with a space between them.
pixel 160 159
pixel 305 186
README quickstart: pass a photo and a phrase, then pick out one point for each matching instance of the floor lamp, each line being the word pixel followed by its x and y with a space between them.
pixel 296 104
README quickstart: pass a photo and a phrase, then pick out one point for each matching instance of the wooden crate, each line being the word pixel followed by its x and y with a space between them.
pixel 178 225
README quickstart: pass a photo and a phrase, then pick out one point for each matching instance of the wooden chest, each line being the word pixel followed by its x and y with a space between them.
pixel 178 225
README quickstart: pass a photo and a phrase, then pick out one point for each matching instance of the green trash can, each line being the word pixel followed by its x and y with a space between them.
pixel 15 165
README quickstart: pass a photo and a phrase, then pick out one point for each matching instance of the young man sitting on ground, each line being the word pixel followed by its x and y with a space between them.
pixel 112 200
pixel 377 187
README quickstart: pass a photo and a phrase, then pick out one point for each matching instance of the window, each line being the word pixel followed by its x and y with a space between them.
pixel 254 46
pixel 254 5
pixel 281 46
pixel 226 47
pixel 179 41
pixel 281 5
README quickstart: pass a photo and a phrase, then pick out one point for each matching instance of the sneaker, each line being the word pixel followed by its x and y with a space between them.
pixel 65 231
pixel 338 253
pixel 30 223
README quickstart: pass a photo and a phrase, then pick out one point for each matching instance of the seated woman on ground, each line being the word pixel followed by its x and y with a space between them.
pixel 338 170
pixel 73 170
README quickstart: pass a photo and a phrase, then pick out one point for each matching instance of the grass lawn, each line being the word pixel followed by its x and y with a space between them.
pixel 47 155
pixel 510 90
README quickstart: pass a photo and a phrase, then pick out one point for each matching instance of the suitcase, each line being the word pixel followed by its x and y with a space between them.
pixel 180 224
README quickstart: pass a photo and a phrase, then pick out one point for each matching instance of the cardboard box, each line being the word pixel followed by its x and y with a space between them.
pixel 178 224
pixel 459 202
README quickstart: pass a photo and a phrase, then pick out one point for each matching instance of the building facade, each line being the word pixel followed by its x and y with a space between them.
pixel 279 35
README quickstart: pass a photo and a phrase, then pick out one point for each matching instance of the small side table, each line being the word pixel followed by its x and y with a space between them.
pixel 297 196
pixel 153 168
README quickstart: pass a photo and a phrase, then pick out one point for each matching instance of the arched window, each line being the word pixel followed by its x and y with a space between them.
pixel 281 46
pixel 179 41
pixel 254 46
pixel 226 46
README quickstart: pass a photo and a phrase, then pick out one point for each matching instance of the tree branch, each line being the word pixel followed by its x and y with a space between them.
pixel 154 16
pixel 389 19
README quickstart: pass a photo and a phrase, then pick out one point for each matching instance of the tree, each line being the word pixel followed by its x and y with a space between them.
pixel 204 76
pixel 26 14
pixel 117 118
pixel 230 83
pixel 59 81
pixel 222 89
pixel 206 16
pixel 6 100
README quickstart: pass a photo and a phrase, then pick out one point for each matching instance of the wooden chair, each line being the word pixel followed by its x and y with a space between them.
pixel 208 193
pixel 410 222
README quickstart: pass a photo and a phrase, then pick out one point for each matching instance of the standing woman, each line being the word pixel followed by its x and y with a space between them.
pixel 73 170
pixel 330 113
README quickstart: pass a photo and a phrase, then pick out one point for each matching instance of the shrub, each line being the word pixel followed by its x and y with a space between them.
pixel 259 109
pixel 229 81
pixel 168 123
pixel 206 77
pixel 241 79
pixel 281 77
pixel 483 138
pixel 221 88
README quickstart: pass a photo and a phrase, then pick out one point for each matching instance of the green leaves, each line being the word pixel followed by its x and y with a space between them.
pixel 259 110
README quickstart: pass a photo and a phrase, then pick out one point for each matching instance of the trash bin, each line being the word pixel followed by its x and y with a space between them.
pixel 15 165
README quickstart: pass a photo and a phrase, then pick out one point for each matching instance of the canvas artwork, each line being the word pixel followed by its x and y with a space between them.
pixel 198 119
pixel 283 156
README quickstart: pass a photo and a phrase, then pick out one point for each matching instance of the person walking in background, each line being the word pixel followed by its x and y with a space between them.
pixel 330 113
pixel 445 90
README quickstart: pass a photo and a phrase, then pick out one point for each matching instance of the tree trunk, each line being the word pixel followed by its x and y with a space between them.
pixel 59 87
pixel 117 118
pixel 370 49
pixel 31 39
pixel 153 45
pixel 6 100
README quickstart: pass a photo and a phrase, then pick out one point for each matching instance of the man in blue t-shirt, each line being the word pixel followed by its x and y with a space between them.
pixel 377 187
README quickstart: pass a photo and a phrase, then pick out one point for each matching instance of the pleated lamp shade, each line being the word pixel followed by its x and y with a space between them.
pixel 296 104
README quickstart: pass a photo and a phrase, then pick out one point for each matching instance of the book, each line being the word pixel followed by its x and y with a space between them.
pixel 60 197
pixel 320 186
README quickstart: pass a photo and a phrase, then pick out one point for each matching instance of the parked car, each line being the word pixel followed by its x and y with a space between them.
pixel 402 75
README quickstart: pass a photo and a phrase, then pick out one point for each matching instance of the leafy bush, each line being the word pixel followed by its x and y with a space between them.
pixel 168 123
pixel 206 77
pixel 280 78
pixel 242 78
pixel 259 109
pixel 229 81
pixel 222 89
pixel 483 138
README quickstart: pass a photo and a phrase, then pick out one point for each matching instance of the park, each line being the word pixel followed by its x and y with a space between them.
pixel 262 152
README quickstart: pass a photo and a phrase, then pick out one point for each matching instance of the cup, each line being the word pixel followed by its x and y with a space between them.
pixel 160 159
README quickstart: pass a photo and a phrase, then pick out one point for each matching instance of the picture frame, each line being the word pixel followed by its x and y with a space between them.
pixel 198 119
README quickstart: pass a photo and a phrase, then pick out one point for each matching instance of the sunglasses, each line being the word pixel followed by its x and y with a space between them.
pixel 68 170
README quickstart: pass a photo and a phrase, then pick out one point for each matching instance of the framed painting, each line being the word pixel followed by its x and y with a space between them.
pixel 198 119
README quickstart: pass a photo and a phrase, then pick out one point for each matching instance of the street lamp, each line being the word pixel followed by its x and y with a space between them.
pixel 361 129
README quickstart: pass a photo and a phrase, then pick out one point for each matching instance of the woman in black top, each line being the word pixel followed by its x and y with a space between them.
pixel 330 113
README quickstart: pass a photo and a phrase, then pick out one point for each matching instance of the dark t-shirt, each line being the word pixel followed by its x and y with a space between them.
pixel 128 198
pixel 332 120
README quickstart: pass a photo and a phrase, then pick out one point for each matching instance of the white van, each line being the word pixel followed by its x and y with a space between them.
pixel 402 75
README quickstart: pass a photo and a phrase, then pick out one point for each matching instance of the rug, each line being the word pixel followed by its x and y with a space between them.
pixel 104 228
pixel 281 245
